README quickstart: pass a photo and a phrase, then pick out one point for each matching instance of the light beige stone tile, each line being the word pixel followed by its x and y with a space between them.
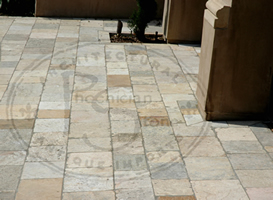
pixel 49 139
pixel 12 157
pixel 46 153
pixel 182 129
pixel 51 125
pixel 89 144
pixel 200 147
pixel 164 157
pixel 40 189
pixel 260 193
pixel 90 160
pixel 172 187
pixel 193 119
pixel 235 134
pixel 127 144
pixel 100 195
pixel 218 189
pixel 86 130
pixel 209 168
pixel 256 178
pixel 88 179
pixel 131 126
pixel 182 88
pixel 39 170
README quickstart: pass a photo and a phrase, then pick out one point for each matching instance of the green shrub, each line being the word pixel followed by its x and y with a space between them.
pixel 140 18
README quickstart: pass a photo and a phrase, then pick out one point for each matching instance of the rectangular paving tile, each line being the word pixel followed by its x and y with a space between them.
pixel 40 170
pixel 219 189
pixel 155 121
pixel 46 154
pixel 164 157
pixel 131 126
pixel 53 114
pixel 132 179
pixel 12 157
pixel 89 144
pixel 235 134
pixel 137 193
pixel 256 178
pixel 51 125
pixel 89 160
pixel 260 193
pixel 100 195
pixel 49 139
pixel 172 187
pixel 126 162
pixel 209 168
pixel 118 81
pixel 200 147
pixel 176 198
pixel 15 139
pixel 88 179
pixel 181 129
pixel 160 142
pixel 127 144
pixel 40 189
pixel 250 161
pixel 9 177
pixel 242 147
pixel 17 124
pixel 169 170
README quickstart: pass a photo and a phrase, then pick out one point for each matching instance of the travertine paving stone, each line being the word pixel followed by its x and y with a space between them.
pixel 81 118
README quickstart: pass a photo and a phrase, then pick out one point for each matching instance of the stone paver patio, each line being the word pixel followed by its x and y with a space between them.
pixel 81 118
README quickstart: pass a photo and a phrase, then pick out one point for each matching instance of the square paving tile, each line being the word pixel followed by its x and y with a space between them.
pixel 40 189
pixel 172 187
pixel 219 189
pixel 127 144
pixel 209 168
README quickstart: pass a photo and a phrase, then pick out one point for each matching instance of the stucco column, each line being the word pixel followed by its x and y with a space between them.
pixel 236 62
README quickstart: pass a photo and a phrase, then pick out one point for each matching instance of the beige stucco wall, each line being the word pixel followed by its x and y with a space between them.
pixel 236 64
pixel 89 8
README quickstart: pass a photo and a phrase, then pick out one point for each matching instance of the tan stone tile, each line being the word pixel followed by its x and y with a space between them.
pixel 219 189
pixel 182 88
pixel 164 157
pixel 235 134
pixel 256 178
pixel 99 195
pixel 190 111
pixel 260 193
pixel 172 187
pixel 177 198
pixel 80 116
pixel 17 123
pixel 155 121
pixel 89 96
pixel 152 112
pixel 200 146
pixel 40 189
pixel 51 114
pixel 89 144
pixel 118 81
pixel 46 153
